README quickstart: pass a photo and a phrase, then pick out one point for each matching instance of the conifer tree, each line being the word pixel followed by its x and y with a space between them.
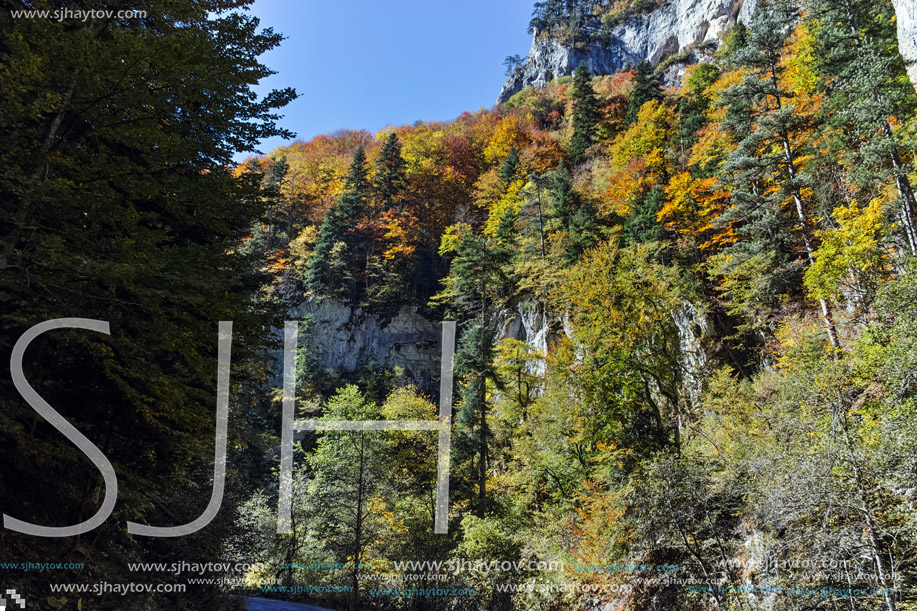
pixel 477 286
pixel 646 88
pixel 767 153
pixel 641 225
pixel 278 215
pixel 585 115
pixel 474 363
pixel 576 218
pixel 335 262
pixel 866 83
pixel 389 180
pixel 510 166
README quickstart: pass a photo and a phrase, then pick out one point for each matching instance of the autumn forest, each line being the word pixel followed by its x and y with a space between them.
pixel 712 403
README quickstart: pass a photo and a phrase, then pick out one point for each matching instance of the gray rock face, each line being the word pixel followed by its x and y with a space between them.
pixel 677 27
pixel 341 338
pixel 344 338
pixel 528 323
pixel 693 328
pixel 906 19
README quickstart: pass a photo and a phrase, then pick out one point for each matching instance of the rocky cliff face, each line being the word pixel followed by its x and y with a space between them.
pixel 678 27
pixel 341 338
pixel 344 339
pixel 906 18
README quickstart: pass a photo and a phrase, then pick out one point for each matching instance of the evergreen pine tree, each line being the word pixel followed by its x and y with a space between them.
pixel 390 172
pixel 767 156
pixel 278 171
pixel 641 224
pixel 563 195
pixel 510 166
pixel 865 81
pixel 474 364
pixel 646 88
pixel 585 115
pixel 576 218
pixel 335 262
pixel 478 285
pixel 278 215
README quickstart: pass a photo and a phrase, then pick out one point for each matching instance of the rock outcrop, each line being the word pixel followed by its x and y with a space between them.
pixel 680 27
pixel 675 28
pixel 341 338
pixel 906 19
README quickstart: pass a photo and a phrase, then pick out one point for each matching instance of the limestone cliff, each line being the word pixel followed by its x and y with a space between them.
pixel 675 28
pixel 906 20
pixel 679 27
pixel 342 338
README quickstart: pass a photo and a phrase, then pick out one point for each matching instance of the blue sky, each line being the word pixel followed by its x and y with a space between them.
pixel 366 64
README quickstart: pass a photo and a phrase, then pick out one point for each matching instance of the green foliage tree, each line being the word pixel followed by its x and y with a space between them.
pixel 577 219
pixel 347 473
pixel 866 83
pixel 764 166
pixel 510 166
pixel 622 307
pixel 390 178
pixel 335 266
pixel 118 203
pixel 476 287
pixel 646 88
pixel 641 224
pixel 585 115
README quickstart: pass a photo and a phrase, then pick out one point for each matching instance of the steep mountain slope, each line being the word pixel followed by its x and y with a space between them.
pixel 681 26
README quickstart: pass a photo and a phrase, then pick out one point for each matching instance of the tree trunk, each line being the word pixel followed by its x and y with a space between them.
pixel 810 251
pixel 482 458
pixel 905 192
pixel 790 160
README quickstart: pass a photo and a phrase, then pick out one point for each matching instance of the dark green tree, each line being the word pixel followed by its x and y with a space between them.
pixel 277 229
pixel 646 88
pixel 478 285
pixel 390 178
pixel 767 153
pixel 641 224
pixel 335 267
pixel 510 166
pixel 585 115
pixel 118 203
pixel 474 366
pixel 577 218
pixel 865 81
